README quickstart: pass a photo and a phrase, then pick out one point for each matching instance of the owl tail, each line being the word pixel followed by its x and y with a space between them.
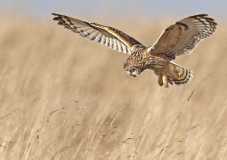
pixel 178 74
pixel 174 74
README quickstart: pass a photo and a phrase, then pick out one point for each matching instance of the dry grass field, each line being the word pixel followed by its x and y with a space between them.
pixel 65 98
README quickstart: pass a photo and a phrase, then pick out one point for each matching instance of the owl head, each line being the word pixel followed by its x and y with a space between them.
pixel 132 70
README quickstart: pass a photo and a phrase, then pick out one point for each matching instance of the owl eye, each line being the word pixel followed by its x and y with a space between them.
pixel 132 69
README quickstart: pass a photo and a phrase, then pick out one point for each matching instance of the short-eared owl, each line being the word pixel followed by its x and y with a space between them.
pixel 178 39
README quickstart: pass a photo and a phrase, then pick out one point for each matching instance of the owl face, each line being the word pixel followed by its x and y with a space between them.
pixel 132 70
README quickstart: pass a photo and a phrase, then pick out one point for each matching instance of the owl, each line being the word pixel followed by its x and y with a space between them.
pixel 178 39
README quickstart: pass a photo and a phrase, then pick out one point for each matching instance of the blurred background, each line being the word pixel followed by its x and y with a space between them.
pixel 116 8
pixel 63 97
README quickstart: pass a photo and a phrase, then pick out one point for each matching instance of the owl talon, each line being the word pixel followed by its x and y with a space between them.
pixel 160 82
pixel 170 82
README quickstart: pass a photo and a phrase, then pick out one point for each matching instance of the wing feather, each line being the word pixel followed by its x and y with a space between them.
pixel 105 35
pixel 184 35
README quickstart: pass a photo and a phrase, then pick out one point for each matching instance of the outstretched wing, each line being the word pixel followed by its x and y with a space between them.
pixel 183 36
pixel 108 36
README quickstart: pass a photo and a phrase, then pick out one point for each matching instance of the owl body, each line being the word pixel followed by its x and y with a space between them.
pixel 168 72
pixel 178 39
pixel 140 61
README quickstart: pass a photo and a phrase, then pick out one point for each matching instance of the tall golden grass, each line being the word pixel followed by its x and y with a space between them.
pixel 65 98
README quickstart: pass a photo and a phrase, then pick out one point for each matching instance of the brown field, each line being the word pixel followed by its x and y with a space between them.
pixel 65 98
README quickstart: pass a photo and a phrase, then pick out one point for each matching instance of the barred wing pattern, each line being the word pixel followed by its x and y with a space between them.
pixel 105 35
pixel 183 36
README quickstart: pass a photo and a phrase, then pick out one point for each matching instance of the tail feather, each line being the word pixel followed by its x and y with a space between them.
pixel 184 79
pixel 178 74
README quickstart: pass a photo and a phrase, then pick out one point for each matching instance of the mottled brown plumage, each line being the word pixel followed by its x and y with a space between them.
pixel 178 39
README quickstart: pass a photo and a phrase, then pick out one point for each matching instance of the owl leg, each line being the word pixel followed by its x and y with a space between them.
pixel 165 81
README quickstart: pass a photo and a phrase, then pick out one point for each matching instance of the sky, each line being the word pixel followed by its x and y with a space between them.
pixel 116 8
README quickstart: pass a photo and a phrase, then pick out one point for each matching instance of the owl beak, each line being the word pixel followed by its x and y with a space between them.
pixel 133 75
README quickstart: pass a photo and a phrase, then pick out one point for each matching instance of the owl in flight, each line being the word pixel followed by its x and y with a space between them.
pixel 178 39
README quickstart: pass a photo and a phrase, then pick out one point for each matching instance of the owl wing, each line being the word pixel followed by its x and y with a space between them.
pixel 184 35
pixel 105 35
